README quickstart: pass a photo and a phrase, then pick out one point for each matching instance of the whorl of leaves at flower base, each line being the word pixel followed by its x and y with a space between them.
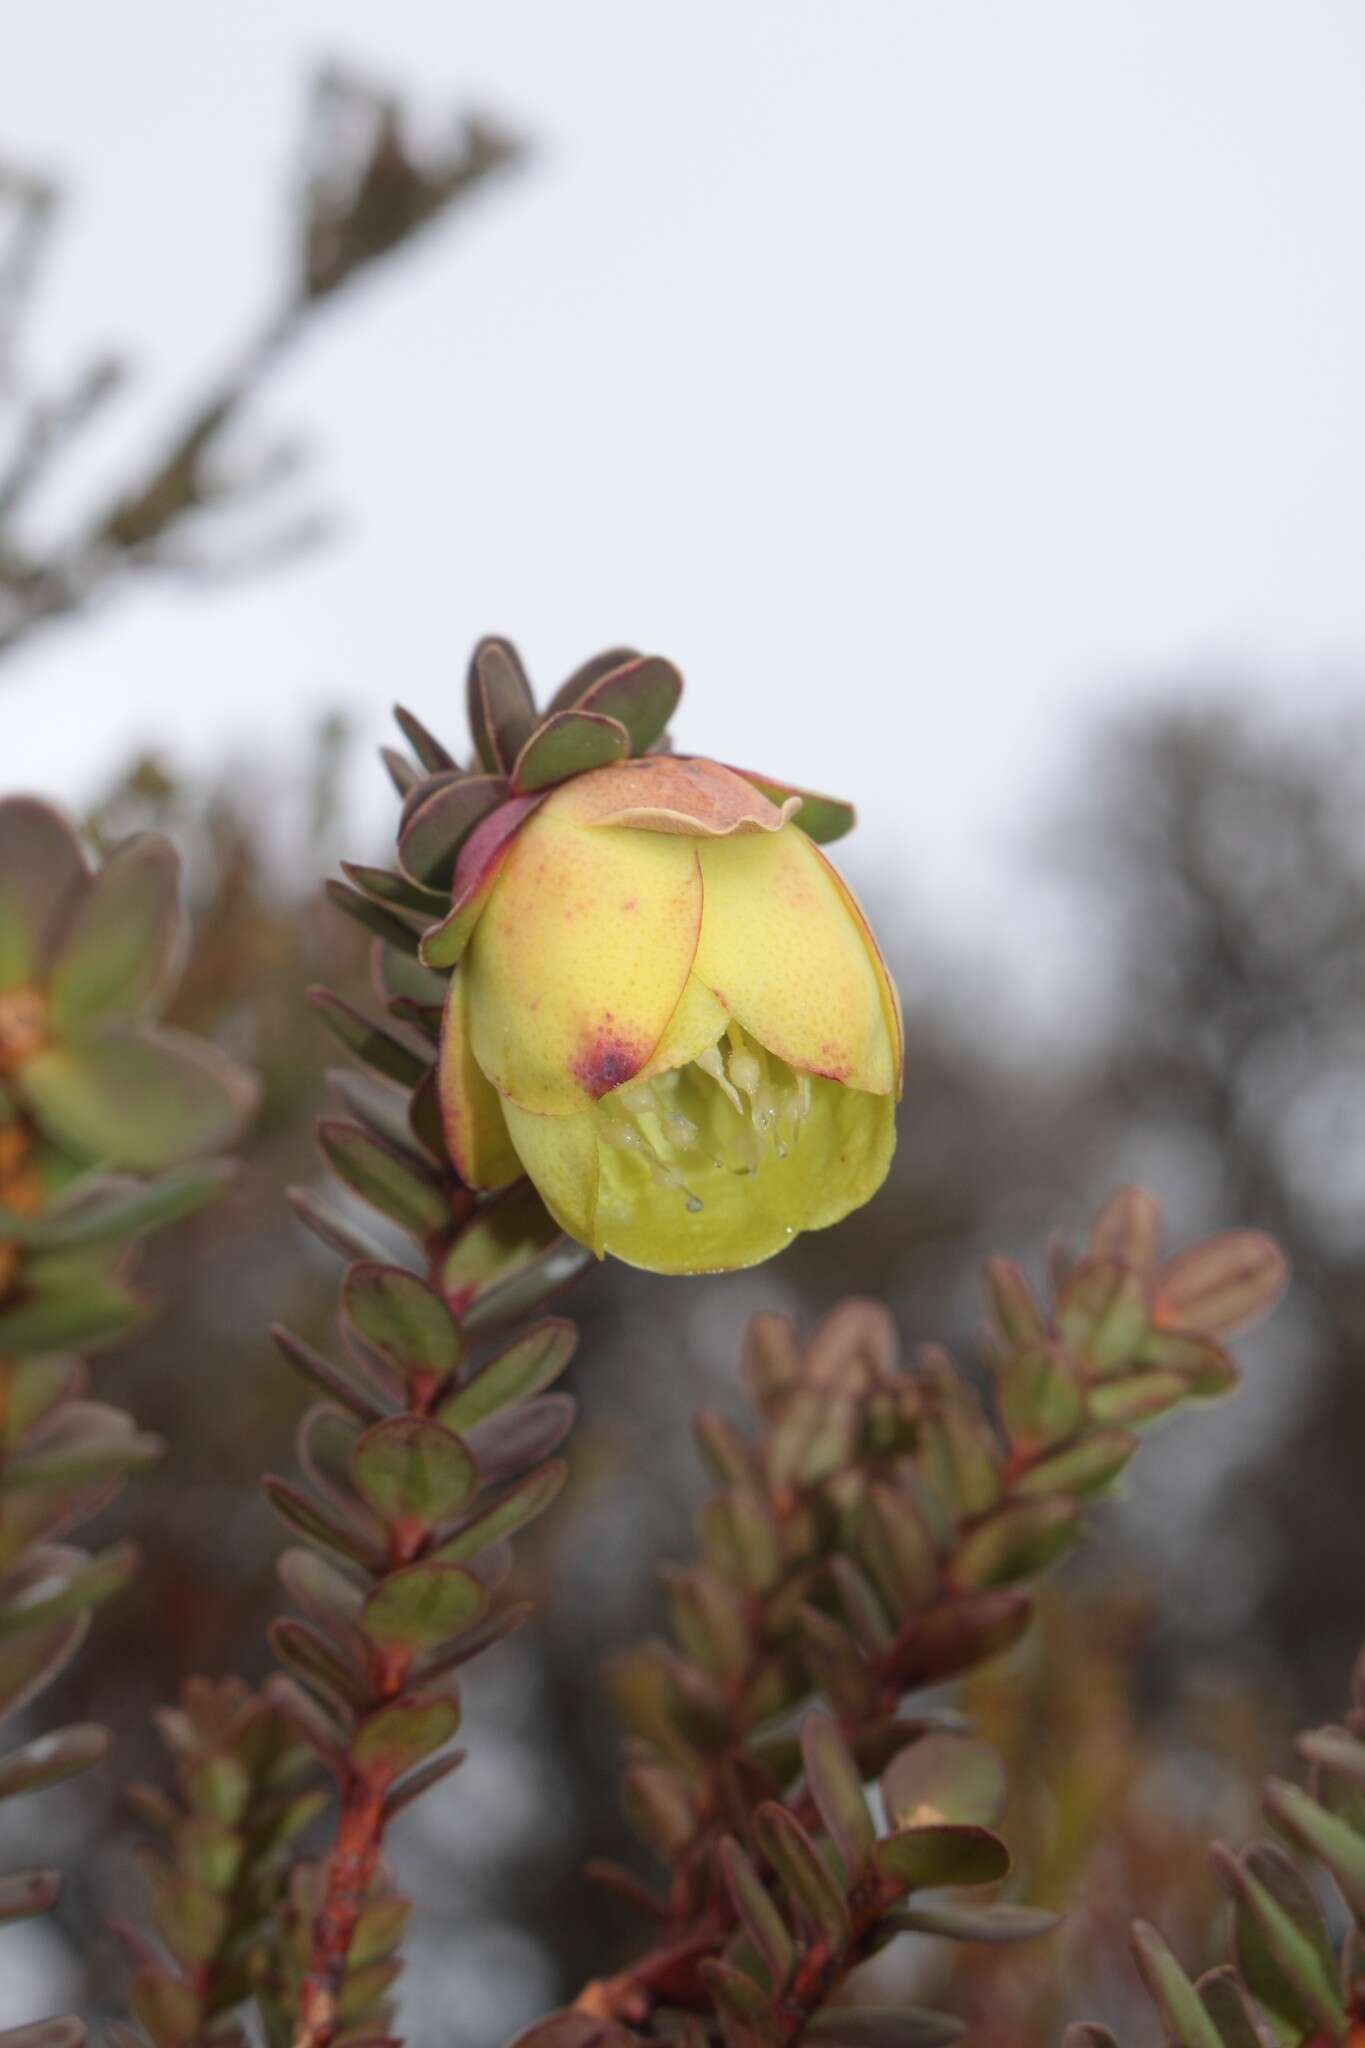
pixel 1297 1971
pixel 101 1109
pixel 875 1538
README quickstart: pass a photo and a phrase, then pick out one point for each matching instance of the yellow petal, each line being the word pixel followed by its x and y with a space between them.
pixel 673 793
pixel 580 958
pixel 478 868
pixel 560 1154
pixel 891 1002
pixel 784 953
pixel 842 1157
pixel 471 1108
pixel 697 1023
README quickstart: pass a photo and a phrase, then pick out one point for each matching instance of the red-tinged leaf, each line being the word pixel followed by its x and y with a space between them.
pixel 1020 1540
pixel 590 672
pixel 574 2029
pixel 835 1784
pixel 437 828
pixel 1015 1314
pixel 508 1443
pixel 522 1370
pixel 519 1505
pixel 641 695
pixel 66 2032
pixel 386 924
pixel 1202 1362
pixel 757 1914
pixel 48 1759
pixel 501 708
pixel 27 1892
pixel 1222 1285
pixel 958 1635
pixel 31 1661
pixel 987 1923
pixel 391 1178
pixel 319 1525
pixel 398 892
pixel 807 1877
pixel 1128 1228
pixel 373 1046
pixel 332 1380
pixel 433 756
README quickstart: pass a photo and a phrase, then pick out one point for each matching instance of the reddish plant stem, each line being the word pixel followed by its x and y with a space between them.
pixel 350 1873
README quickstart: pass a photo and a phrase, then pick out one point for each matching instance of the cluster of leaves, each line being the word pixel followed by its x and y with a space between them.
pixel 1298 1973
pixel 874 1539
pixel 432 1446
pixel 100 1109
pixel 367 190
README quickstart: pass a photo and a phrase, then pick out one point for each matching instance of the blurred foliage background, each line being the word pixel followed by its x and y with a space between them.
pixel 1217 868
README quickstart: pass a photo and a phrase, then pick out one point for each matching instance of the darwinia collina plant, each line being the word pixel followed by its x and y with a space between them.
pixel 629 1009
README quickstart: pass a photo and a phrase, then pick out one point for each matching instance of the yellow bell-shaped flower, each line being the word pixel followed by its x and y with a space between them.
pixel 669 1011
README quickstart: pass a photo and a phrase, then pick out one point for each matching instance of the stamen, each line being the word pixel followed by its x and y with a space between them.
pixel 711 1063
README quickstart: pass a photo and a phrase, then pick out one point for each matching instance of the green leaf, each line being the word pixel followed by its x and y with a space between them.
pixel 757 1914
pixel 988 1923
pixel 398 891
pixel 1202 1362
pixel 311 1657
pixel 118 949
pixel 1083 1469
pixel 65 1305
pixel 740 1537
pixel 319 1525
pixel 835 1783
pixel 31 1387
pixel 42 870
pixel 505 1237
pixel 390 1178
pixel 82 1440
pixel 1137 1397
pixel 190 1920
pixel 501 709
pixel 373 1046
pixel 397 1737
pixel 1103 1313
pixel 1285 1955
pixel 568 743
pixel 526 1368
pixel 128 1213
pixel 642 695
pixel 406 1321
pixel 922 1858
pixel 511 1511
pixel 411 1470
pixel 804 1872
pixel 1188 2023
pixel 1015 1316
pixel 373 917
pixel 944 1776
pixel 1040 1396
pixel 1019 1541
pixel 897 1548
pixel 423 1606
pixel 144 1099
pixel 1325 1835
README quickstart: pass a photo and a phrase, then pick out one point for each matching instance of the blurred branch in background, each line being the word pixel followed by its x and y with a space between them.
pixel 367 189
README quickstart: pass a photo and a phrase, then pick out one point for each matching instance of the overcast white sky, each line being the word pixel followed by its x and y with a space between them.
pixel 935 369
